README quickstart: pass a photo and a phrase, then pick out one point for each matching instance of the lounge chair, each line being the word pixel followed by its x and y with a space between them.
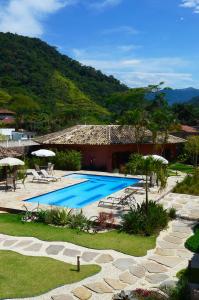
pixel 46 175
pixel 38 178
pixel 137 189
pixel 127 200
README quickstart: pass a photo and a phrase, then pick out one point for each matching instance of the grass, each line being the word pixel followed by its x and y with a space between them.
pixel 25 276
pixel 129 244
pixel 189 169
pixel 192 243
pixel 190 185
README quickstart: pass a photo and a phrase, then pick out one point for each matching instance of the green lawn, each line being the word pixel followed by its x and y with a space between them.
pixel 25 276
pixel 129 244
pixel 182 168
pixel 192 243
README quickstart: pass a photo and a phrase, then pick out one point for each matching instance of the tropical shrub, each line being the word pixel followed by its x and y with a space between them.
pixel 172 213
pixel 137 222
pixel 67 160
pixel 193 242
pixel 56 216
pixel 140 294
pixel 78 221
pixel 190 185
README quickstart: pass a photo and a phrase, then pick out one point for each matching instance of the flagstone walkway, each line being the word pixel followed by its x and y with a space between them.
pixel 119 271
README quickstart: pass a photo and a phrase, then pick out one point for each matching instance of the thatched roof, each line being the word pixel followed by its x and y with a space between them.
pixel 7 152
pixel 100 135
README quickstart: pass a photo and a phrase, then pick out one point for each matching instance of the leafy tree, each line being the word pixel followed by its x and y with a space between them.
pixel 4 98
pixel 192 147
pixel 148 166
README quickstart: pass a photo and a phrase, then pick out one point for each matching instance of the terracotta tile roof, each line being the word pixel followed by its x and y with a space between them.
pixel 6 111
pixel 7 152
pixel 100 135
pixel 188 129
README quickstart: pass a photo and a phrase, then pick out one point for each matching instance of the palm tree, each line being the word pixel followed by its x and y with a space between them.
pixel 148 166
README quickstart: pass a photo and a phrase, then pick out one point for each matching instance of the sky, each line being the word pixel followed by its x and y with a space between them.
pixel 140 42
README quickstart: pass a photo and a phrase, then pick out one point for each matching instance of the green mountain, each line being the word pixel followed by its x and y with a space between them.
pixel 48 90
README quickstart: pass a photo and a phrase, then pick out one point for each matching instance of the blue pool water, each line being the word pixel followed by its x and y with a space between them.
pixel 82 194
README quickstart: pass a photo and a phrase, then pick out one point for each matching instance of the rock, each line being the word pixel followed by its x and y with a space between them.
pixel 9 243
pixel 54 249
pixel 99 287
pixel 169 261
pixel 165 252
pixel 153 267
pixel 128 278
pixel 138 271
pixel 34 247
pixel 82 293
pixel 104 258
pixel 173 239
pixel 62 297
pixel 71 252
pixel 88 256
pixel 124 263
pixel 156 278
pixel 115 283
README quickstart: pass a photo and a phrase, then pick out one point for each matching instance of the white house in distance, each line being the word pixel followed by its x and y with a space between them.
pixel 12 135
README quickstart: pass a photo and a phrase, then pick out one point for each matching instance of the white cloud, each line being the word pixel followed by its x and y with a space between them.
pixel 122 30
pixel 101 4
pixel 138 71
pixel 193 4
pixel 25 16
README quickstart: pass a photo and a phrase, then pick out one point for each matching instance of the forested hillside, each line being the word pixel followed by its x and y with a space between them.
pixel 48 90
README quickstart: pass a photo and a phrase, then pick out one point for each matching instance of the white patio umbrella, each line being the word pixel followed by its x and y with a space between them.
pixel 11 161
pixel 43 153
pixel 158 157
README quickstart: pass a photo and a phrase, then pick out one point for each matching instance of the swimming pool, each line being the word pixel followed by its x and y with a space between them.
pixel 82 194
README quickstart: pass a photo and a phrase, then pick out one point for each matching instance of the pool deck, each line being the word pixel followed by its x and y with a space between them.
pixel 15 201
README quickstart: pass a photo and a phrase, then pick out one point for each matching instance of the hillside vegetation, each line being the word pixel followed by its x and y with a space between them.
pixel 49 90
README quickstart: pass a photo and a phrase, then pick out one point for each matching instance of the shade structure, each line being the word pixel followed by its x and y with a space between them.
pixel 159 158
pixel 43 153
pixel 11 161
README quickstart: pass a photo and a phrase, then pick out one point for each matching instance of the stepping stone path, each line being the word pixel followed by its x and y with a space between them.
pixel 119 271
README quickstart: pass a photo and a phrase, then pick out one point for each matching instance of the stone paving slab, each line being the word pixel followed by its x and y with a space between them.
pixel 138 271
pixel 128 278
pixel 35 247
pixel 124 263
pixel 153 267
pixel 104 258
pixel 99 287
pixel 71 252
pixel 169 261
pixel 115 283
pixel 82 293
pixel 9 243
pixel 23 244
pixel 156 278
pixel 54 249
pixel 172 239
pixel 89 256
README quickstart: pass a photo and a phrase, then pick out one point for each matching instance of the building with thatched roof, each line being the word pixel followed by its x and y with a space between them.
pixel 106 147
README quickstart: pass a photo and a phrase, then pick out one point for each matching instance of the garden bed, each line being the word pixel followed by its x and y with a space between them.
pixel 135 245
